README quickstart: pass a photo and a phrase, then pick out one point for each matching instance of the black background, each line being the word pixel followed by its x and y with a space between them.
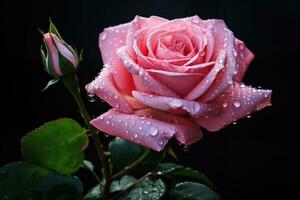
pixel 258 158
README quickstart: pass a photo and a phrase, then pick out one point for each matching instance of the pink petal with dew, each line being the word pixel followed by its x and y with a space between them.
pixel 145 81
pixel 206 82
pixel 223 40
pixel 186 131
pixel 145 131
pixel 244 57
pixel 105 88
pixel 238 101
pixel 110 40
pixel 171 79
pixel 173 105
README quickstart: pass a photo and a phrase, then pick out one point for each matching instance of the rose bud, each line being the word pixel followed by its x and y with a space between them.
pixel 61 59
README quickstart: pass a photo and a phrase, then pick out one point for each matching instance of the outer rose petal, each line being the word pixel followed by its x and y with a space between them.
pixel 149 132
pixel 195 109
pixel 109 41
pixel 244 58
pixel 145 81
pixel 186 131
pixel 103 86
pixel 223 40
pixel 237 102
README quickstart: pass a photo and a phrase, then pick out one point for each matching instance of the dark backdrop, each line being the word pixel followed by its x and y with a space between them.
pixel 254 159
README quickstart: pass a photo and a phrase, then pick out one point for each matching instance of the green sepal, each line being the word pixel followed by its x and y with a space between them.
pixel 53 29
pixel 50 83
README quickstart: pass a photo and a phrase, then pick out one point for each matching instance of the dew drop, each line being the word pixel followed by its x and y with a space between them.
pixel 266 95
pixel 101 117
pixel 91 97
pixel 141 128
pixel 115 97
pixel 196 20
pixel 135 135
pixel 148 123
pixel 107 122
pixel 125 124
pixel 237 104
pixel 225 104
pixel 104 36
pixel 234 123
pixel 243 85
pixel 153 131
pixel 186 148
pixel 248 116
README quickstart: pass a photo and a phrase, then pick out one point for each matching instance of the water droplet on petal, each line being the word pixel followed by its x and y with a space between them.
pixel 135 135
pixel 107 122
pixel 196 20
pixel 115 97
pixel 103 36
pixel 237 104
pixel 141 128
pixel 225 104
pixel 234 123
pixel 153 131
pixel 101 117
pixel 248 116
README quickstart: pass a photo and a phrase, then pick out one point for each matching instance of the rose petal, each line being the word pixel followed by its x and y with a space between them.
pixel 148 132
pixel 178 106
pixel 186 131
pixel 109 41
pixel 146 82
pixel 171 79
pixel 223 40
pixel 244 57
pixel 237 102
pixel 206 82
pixel 103 86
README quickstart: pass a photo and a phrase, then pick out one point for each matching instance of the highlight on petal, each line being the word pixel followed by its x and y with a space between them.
pixel 104 87
pixel 238 101
pixel 174 105
pixel 146 81
pixel 110 40
pixel 206 82
pixel 142 130
pixel 244 57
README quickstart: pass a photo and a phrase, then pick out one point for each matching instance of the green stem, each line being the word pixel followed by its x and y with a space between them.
pixel 132 166
pixel 72 84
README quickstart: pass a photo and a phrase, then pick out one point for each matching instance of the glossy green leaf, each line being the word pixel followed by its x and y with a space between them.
pixel 118 185
pixel 56 145
pixel 182 171
pixel 21 180
pixel 123 152
pixel 193 191
pixel 147 190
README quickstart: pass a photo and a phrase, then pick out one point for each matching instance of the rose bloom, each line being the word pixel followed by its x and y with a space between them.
pixel 168 78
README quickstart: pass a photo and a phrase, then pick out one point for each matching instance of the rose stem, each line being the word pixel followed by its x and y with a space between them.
pixel 132 166
pixel 72 84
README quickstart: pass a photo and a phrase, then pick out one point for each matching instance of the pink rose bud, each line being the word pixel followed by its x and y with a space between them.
pixel 61 59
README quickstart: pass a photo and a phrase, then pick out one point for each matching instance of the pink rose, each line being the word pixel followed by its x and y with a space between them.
pixel 167 78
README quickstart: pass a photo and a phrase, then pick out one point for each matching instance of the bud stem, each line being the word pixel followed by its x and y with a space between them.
pixel 72 84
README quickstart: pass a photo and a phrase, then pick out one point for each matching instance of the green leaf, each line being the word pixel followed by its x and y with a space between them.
pixel 193 191
pixel 21 180
pixel 122 184
pixel 176 170
pixel 56 145
pixel 118 185
pixel 123 152
pixel 88 165
pixel 147 190
pixel 50 83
